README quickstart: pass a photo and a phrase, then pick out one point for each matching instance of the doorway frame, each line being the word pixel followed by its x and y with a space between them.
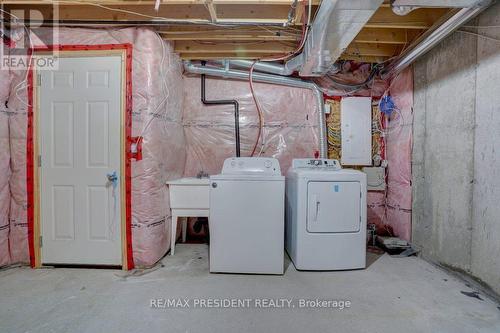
pixel 33 149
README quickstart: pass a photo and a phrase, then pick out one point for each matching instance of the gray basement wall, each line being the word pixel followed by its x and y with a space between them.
pixel 456 152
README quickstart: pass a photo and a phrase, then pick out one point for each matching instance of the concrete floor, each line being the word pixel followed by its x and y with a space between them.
pixel 391 295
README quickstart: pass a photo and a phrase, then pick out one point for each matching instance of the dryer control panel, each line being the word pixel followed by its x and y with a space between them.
pixel 321 163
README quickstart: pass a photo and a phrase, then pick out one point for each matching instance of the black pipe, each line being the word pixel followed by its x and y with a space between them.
pixel 224 102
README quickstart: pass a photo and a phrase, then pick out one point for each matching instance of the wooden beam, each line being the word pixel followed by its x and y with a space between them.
pixel 88 12
pixel 299 13
pixel 253 12
pixel 229 55
pixel 185 47
pixel 382 36
pixel 260 2
pixel 360 58
pixel 114 10
pixel 422 18
pixel 205 33
pixel 374 50
pixel 243 37
pixel 211 9
pixel 163 2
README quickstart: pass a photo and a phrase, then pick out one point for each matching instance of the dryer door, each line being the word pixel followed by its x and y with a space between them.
pixel 333 207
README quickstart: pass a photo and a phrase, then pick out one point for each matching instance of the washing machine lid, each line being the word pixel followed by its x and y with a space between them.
pixel 257 166
pixel 247 177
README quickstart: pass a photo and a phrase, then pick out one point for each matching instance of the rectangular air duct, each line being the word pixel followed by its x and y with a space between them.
pixel 336 25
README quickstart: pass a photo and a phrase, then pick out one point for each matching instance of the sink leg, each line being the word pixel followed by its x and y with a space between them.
pixel 184 229
pixel 173 237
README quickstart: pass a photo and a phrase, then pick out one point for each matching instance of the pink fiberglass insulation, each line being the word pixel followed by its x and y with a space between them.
pixel 376 207
pixel 290 123
pixel 4 166
pixel 156 115
pixel 399 143
pixel 18 237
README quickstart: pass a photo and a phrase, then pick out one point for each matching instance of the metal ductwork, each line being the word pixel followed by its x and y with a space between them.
pixel 436 3
pixel 404 7
pixel 432 37
pixel 286 69
pixel 189 67
pixel 336 25
pixel 267 67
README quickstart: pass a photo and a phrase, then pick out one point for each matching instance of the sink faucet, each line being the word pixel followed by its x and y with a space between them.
pixel 202 174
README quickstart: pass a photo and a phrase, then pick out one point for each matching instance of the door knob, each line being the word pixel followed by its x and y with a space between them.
pixel 113 178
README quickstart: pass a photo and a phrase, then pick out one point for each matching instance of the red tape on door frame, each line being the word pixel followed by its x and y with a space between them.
pixel 128 135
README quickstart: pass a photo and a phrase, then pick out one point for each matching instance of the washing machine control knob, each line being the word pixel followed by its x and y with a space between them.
pixel 214 185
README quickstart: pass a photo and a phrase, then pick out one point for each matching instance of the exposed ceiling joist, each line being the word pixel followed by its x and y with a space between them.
pixel 223 55
pixel 420 19
pixel 227 36
pixel 382 36
pixel 186 47
pixel 211 10
pixel 371 50
pixel 252 28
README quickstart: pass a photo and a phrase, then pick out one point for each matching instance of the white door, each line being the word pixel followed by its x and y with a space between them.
pixel 80 117
pixel 333 206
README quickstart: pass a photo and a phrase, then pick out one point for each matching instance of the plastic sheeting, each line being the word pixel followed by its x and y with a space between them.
pixel 186 139
pixel 399 149
pixel 290 123
pixel 157 112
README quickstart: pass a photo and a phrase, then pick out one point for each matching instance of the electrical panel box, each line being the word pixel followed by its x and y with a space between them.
pixel 375 178
pixel 356 130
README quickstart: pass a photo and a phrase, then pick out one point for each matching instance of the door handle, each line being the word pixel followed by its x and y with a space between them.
pixel 316 207
pixel 113 178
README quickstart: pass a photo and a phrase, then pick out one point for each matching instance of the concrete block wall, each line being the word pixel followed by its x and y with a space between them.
pixel 456 151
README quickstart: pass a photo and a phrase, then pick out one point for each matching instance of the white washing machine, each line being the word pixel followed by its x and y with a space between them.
pixel 325 215
pixel 247 208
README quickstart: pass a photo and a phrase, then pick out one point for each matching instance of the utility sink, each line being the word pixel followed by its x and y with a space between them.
pixel 188 198
pixel 189 193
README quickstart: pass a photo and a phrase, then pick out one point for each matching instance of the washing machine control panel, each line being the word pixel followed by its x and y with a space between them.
pixel 321 163
pixel 261 165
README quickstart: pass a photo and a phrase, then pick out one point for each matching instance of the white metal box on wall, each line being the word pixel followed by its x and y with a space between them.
pixel 356 130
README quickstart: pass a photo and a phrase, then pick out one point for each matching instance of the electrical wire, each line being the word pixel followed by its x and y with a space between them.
pixel 305 29
pixel 158 18
pixel 259 112
pixel 119 10
pixel 356 86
